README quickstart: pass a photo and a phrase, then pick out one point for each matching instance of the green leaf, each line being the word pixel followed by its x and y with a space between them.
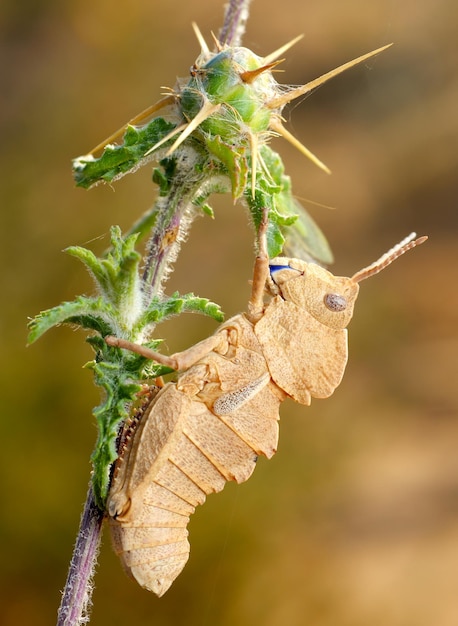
pixel 292 231
pixel 235 161
pixel 117 277
pixel 90 313
pixel 119 391
pixel 116 161
pixel 164 176
pixel 161 309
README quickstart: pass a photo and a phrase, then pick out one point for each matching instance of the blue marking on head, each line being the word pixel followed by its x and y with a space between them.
pixel 276 268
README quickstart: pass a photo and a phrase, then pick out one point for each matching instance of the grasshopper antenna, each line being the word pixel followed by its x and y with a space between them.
pixel 386 259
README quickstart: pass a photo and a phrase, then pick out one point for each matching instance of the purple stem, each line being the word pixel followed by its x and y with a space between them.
pixel 234 22
pixel 76 598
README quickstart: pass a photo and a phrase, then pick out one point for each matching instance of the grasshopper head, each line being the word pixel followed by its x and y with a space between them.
pixel 329 299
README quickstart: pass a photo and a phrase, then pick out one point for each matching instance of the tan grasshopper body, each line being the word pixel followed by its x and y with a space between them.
pixel 210 425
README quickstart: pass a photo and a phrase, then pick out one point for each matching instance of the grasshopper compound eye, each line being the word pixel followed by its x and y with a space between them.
pixel 335 302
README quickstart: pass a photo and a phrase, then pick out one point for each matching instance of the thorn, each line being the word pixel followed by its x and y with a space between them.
pixel 205 112
pixel 280 101
pixel 169 135
pixel 248 76
pixel 278 127
pixel 263 166
pixel 203 44
pixel 277 53
pixel 135 120
pixel 219 47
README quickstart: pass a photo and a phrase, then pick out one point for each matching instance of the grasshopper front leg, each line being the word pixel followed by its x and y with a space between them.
pixel 260 273
pixel 180 360
pixel 221 340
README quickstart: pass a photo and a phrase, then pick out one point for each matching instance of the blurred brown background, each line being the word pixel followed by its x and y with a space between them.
pixel 355 520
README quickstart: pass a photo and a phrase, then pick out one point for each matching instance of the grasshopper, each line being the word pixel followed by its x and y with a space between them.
pixel 222 412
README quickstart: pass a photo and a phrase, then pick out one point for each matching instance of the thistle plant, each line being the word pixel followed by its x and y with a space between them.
pixel 212 137
pixel 209 134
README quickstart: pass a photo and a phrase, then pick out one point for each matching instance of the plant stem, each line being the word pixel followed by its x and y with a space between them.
pixel 76 598
pixel 174 218
pixel 234 22
pixel 163 248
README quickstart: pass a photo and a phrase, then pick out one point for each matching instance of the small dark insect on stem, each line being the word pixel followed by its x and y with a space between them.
pixel 76 597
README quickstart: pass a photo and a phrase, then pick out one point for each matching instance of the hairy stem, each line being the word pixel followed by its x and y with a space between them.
pixel 76 598
pixel 174 217
pixel 235 19
pixel 173 220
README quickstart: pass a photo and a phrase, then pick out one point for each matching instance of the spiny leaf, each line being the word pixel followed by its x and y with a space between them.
pixel 89 313
pixel 119 391
pixel 290 227
pixel 114 273
pixel 118 160
pixel 160 310
pixel 235 162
